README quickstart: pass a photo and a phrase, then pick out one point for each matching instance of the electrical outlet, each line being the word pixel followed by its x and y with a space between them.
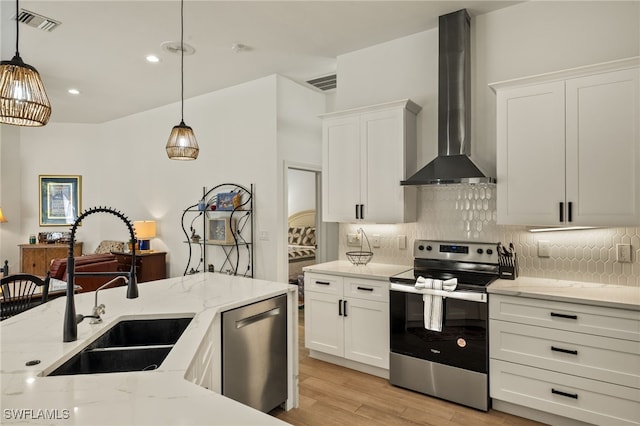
pixel 623 253
pixel 544 248
pixel 264 235
pixel 402 242
pixel 375 240
pixel 353 240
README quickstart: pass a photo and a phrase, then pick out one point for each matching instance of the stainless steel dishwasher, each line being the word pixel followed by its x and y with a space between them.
pixel 254 353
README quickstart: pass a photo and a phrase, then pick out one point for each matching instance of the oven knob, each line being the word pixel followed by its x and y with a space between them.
pixel 489 251
pixel 429 248
pixel 420 247
pixel 479 251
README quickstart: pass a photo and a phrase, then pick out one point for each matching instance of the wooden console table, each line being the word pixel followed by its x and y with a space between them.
pixel 35 259
pixel 150 265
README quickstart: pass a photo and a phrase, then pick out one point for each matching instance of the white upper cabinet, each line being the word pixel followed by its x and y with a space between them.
pixel 366 152
pixel 568 147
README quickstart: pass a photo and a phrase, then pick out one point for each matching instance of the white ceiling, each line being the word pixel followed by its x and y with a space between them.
pixel 100 47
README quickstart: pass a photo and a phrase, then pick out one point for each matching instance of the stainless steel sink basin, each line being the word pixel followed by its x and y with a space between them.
pixel 129 345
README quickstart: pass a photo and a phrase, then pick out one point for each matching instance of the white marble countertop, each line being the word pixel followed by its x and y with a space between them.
pixel 159 397
pixel 374 271
pixel 614 296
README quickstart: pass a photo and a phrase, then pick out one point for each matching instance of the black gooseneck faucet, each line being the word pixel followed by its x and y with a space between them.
pixel 70 330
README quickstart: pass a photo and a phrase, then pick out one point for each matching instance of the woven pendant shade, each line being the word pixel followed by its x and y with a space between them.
pixel 23 101
pixel 182 144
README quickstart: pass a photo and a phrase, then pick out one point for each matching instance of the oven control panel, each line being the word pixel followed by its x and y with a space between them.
pixel 455 250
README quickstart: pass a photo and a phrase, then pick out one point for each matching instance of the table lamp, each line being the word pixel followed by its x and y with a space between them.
pixel 145 231
pixel 2 218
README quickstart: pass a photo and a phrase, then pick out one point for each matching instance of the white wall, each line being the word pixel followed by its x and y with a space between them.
pixel 302 191
pixel 124 165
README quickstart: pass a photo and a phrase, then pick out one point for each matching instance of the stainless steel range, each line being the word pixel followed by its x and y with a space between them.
pixel 439 342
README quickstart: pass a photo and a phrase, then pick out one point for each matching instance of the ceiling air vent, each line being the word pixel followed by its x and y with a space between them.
pixel 37 21
pixel 328 82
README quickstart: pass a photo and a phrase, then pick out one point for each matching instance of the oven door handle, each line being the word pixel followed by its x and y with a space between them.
pixel 463 295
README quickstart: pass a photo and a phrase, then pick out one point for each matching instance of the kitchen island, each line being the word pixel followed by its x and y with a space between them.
pixel 166 395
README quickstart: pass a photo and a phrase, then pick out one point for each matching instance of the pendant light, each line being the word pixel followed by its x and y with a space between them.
pixel 182 144
pixel 23 101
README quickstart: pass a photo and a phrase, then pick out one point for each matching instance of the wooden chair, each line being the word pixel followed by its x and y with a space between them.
pixel 19 293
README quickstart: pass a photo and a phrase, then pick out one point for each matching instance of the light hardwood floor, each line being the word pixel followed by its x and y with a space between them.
pixel 333 395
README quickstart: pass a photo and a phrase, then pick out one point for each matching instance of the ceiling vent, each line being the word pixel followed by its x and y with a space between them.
pixel 328 82
pixel 37 21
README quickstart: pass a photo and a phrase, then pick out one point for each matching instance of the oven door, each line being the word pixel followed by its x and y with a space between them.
pixel 463 340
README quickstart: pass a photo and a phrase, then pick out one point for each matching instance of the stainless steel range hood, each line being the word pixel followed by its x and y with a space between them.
pixel 453 165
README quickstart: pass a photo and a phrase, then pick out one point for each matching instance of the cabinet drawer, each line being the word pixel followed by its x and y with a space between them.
pixel 597 320
pixel 582 399
pixel 366 289
pixel 329 284
pixel 600 358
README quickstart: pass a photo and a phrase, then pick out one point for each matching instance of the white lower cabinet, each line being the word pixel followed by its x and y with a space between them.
pixel 201 370
pixel 348 317
pixel 572 360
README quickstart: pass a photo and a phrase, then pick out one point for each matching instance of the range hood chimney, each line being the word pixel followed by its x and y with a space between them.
pixel 453 165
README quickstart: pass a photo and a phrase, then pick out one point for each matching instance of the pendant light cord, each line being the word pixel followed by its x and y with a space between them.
pixel 181 61
pixel 17 27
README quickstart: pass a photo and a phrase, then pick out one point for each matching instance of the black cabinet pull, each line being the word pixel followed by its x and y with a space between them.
pixel 340 307
pixel 344 308
pixel 564 351
pixel 555 314
pixel 570 211
pixel 323 282
pixel 357 212
pixel 561 211
pixel 365 288
pixel 361 211
pixel 567 394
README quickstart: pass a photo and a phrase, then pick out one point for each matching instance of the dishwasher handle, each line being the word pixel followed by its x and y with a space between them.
pixel 258 317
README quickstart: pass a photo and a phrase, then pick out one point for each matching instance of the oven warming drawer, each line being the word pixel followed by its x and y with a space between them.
pixel 454 384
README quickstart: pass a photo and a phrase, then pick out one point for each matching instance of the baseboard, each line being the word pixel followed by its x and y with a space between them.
pixel 533 414
pixel 347 363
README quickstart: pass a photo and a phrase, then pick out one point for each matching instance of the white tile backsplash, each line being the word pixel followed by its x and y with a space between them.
pixel 468 213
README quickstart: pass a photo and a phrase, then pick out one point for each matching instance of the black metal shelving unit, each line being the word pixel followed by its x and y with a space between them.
pixel 224 216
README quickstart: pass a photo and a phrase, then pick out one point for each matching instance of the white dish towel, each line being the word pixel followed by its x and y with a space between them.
pixel 433 304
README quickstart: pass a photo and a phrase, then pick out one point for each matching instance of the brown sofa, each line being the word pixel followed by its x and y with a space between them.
pixel 88 263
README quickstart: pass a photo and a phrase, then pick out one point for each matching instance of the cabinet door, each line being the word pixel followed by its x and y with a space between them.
pixel 341 164
pixel 33 261
pixel 530 154
pixel 603 148
pixel 383 165
pixel 366 329
pixel 323 326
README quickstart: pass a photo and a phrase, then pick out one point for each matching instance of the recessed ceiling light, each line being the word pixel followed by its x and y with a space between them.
pixel 73 91
pixel 153 59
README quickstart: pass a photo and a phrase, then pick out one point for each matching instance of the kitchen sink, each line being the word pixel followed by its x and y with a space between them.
pixel 113 360
pixel 142 332
pixel 129 345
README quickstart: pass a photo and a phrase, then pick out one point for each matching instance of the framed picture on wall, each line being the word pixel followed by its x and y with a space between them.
pixel 60 199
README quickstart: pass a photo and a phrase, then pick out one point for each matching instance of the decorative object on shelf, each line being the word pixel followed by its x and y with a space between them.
pixel 225 201
pixel 361 257
pixel 220 230
pixel 227 227
pixel 2 218
pixel 53 237
pixel 60 199
pixel 145 231
pixel 23 100
pixel 182 144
